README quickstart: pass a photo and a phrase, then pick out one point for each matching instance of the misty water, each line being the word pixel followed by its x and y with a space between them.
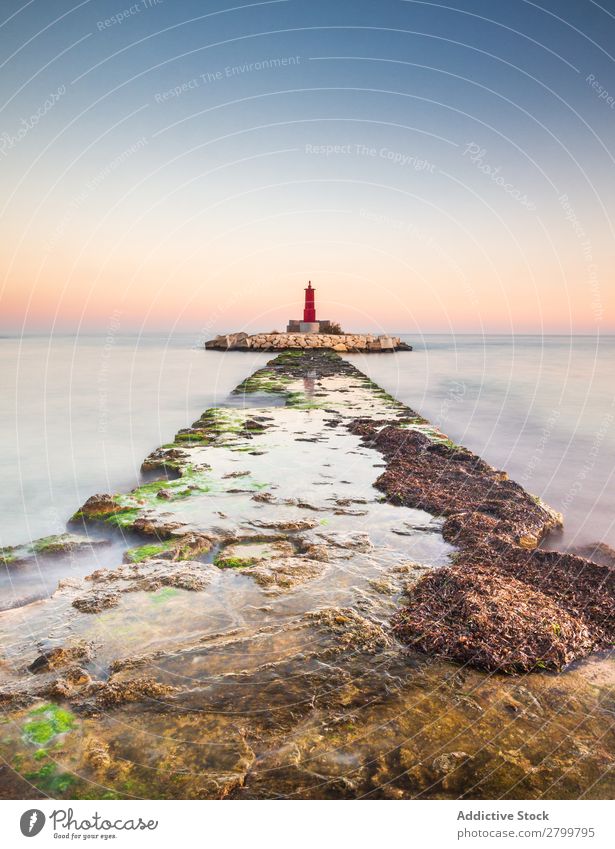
pixel 78 415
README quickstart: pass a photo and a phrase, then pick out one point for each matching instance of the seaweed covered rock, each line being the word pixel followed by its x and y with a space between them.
pixel 506 604
pixel 446 480
pixel 99 506
pixel 352 630
pixel 56 657
pixel 166 459
pixel 490 620
pixel 56 545
pixel 182 547
pixel 584 589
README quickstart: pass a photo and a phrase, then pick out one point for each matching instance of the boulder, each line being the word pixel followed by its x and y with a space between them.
pixel 386 343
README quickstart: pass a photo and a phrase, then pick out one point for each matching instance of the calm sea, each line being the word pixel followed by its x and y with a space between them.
pixel 78 415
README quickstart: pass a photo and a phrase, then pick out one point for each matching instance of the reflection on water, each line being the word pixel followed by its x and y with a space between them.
pixel 309 384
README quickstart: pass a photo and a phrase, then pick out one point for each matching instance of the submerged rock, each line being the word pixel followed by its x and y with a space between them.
pixel 58 684
pixel 56 657
pixel 351 629
pixel 599 552
pixel 96 601
pixel 316 551
pixel 242 554
pixel 358 541
pixel 453 770
pixel 96 753
pixel 284 573
pixel 114 692
pixel 285 524
pixel 108 585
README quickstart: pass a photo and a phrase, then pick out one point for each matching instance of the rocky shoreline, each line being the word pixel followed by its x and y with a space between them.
pixel 505 605
pixel 316 588
pixel 365 343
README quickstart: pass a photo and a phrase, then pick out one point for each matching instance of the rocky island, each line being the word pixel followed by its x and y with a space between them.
pixel 352 343
pixel 309 333
pixel 319 595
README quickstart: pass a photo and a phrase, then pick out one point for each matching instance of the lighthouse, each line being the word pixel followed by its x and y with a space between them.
pixel 309 310
pixel 309 323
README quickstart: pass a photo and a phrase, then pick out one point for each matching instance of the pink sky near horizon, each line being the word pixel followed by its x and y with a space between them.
pixel 369 278
pixel 163 263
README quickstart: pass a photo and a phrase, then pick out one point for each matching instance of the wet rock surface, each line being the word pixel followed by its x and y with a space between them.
pixel 42 549
pixel 285 572
pixel 56 657
pixel 104 587
pixel 253 639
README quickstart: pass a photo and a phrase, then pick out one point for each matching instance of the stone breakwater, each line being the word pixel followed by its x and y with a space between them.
pixel 310 583
pixel 341 343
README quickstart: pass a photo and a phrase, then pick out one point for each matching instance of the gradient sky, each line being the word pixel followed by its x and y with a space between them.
pixel 469 183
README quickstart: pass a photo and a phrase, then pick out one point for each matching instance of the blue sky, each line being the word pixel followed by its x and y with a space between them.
pixel 429 165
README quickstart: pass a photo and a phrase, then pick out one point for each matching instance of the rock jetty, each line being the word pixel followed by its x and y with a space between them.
pixel 341 343
pixel 313 590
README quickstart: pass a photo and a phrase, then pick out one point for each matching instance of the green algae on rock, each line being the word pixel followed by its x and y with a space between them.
pixel 46 722
pixel 246 553
pixel 50 546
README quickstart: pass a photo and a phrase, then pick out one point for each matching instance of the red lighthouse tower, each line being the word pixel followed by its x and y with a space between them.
pixel 309 311
pixel 309 323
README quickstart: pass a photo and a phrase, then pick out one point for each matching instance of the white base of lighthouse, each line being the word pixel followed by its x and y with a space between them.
pixel 296 326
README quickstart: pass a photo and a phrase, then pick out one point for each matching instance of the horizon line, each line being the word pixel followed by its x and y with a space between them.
pixel 162 332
